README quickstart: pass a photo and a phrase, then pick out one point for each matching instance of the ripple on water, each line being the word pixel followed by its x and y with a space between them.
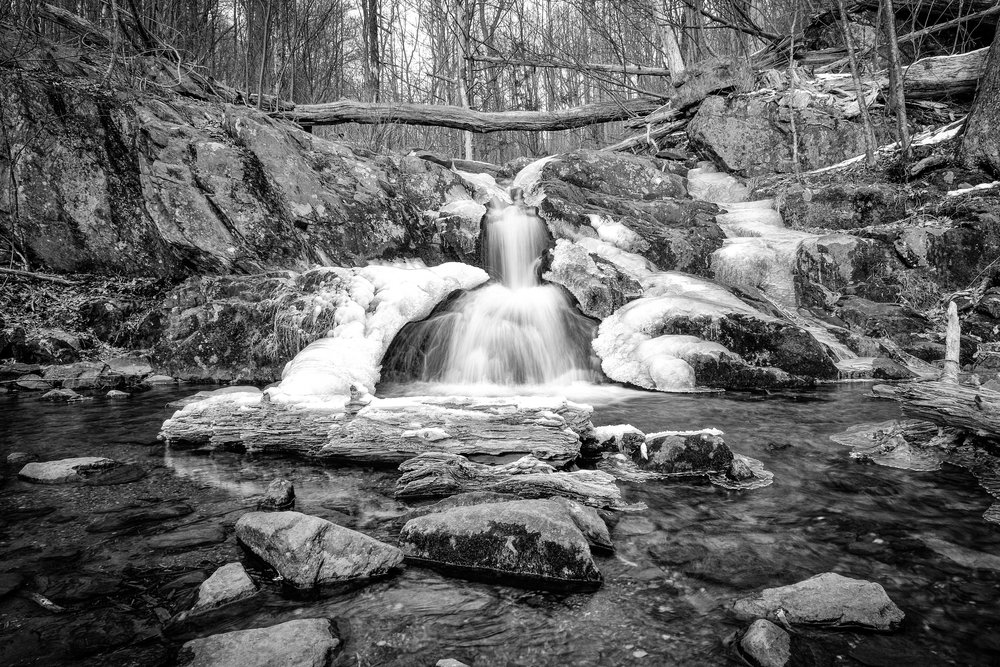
pixel 698 546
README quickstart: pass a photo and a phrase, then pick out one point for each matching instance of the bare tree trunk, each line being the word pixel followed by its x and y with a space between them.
pixel 866 120
pixel 896 78
pixel 981 143
pixel 673 60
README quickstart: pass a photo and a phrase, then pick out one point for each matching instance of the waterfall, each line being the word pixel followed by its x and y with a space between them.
pixel 516 330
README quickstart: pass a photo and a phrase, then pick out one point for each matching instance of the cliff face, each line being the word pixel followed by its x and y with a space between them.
pixel 110 182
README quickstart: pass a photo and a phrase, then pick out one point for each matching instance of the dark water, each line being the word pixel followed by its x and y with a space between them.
pixel 920 535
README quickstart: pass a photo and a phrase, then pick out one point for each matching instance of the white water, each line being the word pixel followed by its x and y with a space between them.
pixel 515 331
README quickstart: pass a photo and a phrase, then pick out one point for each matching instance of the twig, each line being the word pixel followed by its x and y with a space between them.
pixel 38 276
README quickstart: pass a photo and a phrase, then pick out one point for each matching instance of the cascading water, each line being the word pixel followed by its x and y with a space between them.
pixel 516 330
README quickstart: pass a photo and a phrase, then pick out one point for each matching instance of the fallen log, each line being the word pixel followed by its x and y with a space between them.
pixel 434 475
pixel 974 409
pixel 461 118
pixel 386 431
pixel 553 63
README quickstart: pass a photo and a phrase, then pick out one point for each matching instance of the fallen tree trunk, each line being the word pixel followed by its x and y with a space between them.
pixel 632 70
pixel 971 408
pixel 461 118
pixel 437 474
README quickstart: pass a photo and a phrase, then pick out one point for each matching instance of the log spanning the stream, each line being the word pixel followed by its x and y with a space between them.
pixel 386 431
pixel 461 118
pixel 438 474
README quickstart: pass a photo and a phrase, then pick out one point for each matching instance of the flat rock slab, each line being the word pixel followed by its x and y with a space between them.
pixel 64 471
pixel 302 643
pixel 229 583
pixel 309 551
pixel 183 539
pixel 535 542
pixel 123 474
pixel 827 599
pixel 137 518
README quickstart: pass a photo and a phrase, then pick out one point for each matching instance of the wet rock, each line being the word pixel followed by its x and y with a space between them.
pixel 280 495
pixel 128 371
pixel 81 375
pixel 230 583
pixel 20 458
pixel 309 552
pixel 10 582
pixel 123 474
pixel 450 662
pixel 303 643
pixel 183 539
pixel 766 644
pixel 32 382
pixel 751 135
pixel 77 587
pixel 879 319
pixel 630 204
pixel 64 470
pixel 892 651
pixel 136 518
pixel 62 396
pixel 154 380
pixel 97 631
pixel 827 599
pixel 623 438
pixel 684 452
pixel 599 286
pixel 117 394
pixel 522 541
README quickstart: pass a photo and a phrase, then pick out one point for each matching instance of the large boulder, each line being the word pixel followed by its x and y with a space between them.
pixel 307 642
pixel 526 541
pixel 684 453
pixel 751 135
pixel 687 331
pixel 136 185
pixel 635 204
pixel 827 599
pixel 310 552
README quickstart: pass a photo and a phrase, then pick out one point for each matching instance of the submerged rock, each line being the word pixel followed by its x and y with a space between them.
pixel 125 519
pixel 526 541
pixel 827 599
pixel 280 495
pixel 302 643
pixel 20 458
pixel 766 644
pixel 62 396
pixel 64 470
pixel 230 583
pixel 309 552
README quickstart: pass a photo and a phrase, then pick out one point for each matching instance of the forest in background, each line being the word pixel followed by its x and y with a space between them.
pixel 488 55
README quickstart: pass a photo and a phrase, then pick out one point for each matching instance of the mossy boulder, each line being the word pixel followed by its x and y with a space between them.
pixel 526 542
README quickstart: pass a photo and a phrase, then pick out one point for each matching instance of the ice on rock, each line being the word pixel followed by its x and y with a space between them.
pixel 380 300
pixel 530 177
pixel 635 266
pixel 632 352
pixel 617 234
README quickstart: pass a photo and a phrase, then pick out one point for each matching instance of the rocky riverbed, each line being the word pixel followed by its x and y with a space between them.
pixel 104 573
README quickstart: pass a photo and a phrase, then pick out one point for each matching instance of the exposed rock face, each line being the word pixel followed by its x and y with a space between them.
pixel 248 327
pixel 169 187
pixel 827 599
pixel 752 136
pixel 309 552
pixel 530 540
pixel 841 205
pixel 834 264
pixel 64 470
pixel 767 644
pixel 598 285
pixel 303 643
pixel 634 204
pixel 229 583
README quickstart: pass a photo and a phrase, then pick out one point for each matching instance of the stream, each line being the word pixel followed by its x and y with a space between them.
pixel 920 535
